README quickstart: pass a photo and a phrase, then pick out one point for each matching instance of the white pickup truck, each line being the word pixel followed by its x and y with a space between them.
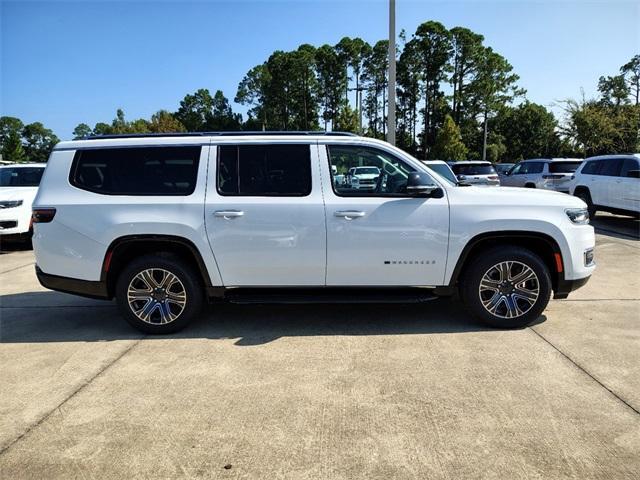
pixel 162 223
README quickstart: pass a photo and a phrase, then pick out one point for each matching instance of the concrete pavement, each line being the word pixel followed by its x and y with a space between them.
pixel 324 391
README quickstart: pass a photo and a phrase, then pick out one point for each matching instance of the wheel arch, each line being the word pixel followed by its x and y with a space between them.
pixel 539 243
pixel 124 249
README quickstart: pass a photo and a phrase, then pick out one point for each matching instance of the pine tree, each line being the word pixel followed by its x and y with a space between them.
pixel 448 145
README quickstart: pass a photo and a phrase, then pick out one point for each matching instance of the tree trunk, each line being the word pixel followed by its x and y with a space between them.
pixel 484 141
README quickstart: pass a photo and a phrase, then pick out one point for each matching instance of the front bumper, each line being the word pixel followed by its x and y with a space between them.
pixel 565 287
pixel 74 286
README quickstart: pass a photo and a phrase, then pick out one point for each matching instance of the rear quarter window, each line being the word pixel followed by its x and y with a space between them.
pixel 137 170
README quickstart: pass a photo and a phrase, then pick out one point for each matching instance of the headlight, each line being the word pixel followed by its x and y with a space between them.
pixel 10 203
pixel 579 216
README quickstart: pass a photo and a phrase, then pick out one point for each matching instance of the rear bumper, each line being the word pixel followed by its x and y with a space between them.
pixel 74 286
pixel 565 287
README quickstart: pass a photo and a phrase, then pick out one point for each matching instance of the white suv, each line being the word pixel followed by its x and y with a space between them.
pixel 610 183
pixel 547 173
pixel 18 187
pixel 163 222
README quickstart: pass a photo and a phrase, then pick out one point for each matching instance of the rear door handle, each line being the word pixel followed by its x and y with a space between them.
pixel 349 214
pixel 227 214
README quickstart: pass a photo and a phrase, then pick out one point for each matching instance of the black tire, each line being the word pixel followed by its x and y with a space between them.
pixel 530 185
pixel 473 297
pixel 188 282
pixel 584 195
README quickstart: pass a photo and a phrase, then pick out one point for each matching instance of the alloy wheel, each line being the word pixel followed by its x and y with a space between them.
pixel 156 296
pixel 509 289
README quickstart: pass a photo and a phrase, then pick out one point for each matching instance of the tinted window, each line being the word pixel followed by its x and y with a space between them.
pixel 610 168
pixel 137 171
pixel 629 164
pixel 563 167
pixel 535 167
pixel 20 177
pixel 591 167
pixel 264 170
pixel 503 167
pixel 390 181
pixel 473 169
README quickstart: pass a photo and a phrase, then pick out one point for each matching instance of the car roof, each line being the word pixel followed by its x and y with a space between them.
pixel 435 162
pixel 552 160
pixel 609 157
pixel 23 165
pixel 202 138
pixel 472 162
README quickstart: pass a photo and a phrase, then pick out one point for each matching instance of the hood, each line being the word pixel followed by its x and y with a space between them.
pixel 510 196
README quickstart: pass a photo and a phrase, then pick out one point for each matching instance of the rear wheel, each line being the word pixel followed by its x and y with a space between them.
pixel 158 294
pixel 584 195
pixel 507 287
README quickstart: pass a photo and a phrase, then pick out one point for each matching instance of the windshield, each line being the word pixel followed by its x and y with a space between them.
pixel 473 169
pixel 20 176
pixel 563 167
pixel 444 171
pixel 503 167
pixel 367 171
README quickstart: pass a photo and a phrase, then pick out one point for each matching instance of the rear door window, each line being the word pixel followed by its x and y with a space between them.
pixel 264 170
pixel 563 167
pixel 610 168
pixel 535 167
pixel 163 170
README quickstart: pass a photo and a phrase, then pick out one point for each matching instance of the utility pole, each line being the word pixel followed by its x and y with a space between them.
pixel 391 97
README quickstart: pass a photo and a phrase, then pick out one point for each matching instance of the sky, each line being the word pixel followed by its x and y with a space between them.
pixel 63 63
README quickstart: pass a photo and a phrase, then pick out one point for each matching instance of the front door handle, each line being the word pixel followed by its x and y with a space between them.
pixel 228 214
pixel 349 214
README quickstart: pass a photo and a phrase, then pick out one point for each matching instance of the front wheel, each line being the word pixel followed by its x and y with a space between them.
pixel 158 294
pixel 507 287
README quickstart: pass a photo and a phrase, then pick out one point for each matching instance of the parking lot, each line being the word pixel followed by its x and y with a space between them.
pixel 325 391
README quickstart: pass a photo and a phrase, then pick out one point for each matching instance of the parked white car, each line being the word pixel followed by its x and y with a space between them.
pixel 610 183
pixel 546 173
pixel 365 178
pixel 163 223
pixel 18 187
pixel 476 173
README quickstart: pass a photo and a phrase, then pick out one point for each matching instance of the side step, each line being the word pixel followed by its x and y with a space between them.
pixel 328 295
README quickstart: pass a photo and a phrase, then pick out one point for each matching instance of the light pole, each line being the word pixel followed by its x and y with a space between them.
pixel 391 105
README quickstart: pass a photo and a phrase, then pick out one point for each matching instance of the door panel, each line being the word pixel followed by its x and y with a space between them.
pixel 266 240
pixel 383 241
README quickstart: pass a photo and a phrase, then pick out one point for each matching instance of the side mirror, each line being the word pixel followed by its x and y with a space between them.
pixel 633 174
pixel 419 184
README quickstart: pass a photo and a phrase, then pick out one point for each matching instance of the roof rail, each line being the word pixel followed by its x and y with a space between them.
pixel 219 134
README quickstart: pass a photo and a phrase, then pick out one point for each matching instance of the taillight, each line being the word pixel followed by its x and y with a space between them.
pixel 42 215
pixel 494 177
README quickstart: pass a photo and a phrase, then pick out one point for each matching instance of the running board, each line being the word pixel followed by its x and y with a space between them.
pixel 328 295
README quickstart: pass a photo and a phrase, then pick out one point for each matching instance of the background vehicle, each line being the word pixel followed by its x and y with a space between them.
pixel 162 223
pixel 547 173
pixel 442 168
pixel 503 168
pixel 610 183
pixel 18 187
pixel 476 173
pixel 364 178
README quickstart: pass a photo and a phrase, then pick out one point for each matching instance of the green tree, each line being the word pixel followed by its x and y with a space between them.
pixel 631 73
pixel 448 144
pixel 11 139
pixel 347 120
pixel 494 87
pixel 467 52
pixel 332 81
pixel 526 131
pixel 252 91
pixel 195 110
pixel 38 142
pixel 433 42
pixel 102 128
pixel 164 122
pixel 376 66
pixel 82 130
pixel 614 90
